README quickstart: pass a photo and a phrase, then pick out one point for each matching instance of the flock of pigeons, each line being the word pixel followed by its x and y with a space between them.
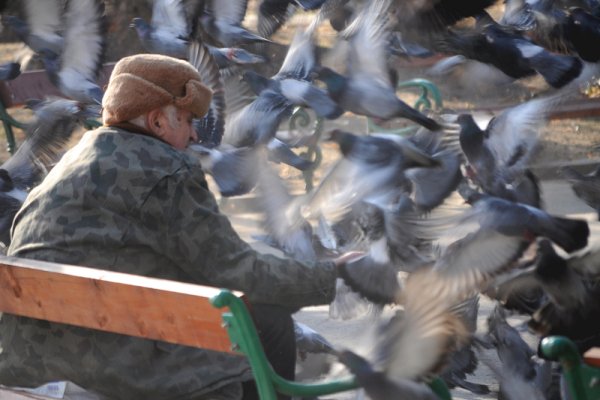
pixel 443 216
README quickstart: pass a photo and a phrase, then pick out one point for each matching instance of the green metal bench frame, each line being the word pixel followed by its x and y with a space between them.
pixel 583 380
pixel 244 338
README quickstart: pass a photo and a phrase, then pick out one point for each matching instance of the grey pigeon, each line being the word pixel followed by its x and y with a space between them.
pixel 42 27
pixel 310 341
pixel 494 234
pixel 381 387
pixel 290 230
pixel 464 360
pixel 372 169
pixel 418 341
pixel 367 89
pixel 293 80
pixel 47 137
pixel 232 168
pixel 227 56
pixel 74 70
pixel 9 71
pixel 222 21
pixel 513 53
pixel 168 32
pixel 209 128
pixel 585 186
pixel 498 155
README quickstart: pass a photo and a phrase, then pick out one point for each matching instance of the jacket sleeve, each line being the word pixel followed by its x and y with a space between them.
pixel 202 241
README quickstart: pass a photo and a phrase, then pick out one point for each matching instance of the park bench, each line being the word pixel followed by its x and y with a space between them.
pixel 151 308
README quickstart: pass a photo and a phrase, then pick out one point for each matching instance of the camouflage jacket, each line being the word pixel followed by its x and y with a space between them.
pixel 130 203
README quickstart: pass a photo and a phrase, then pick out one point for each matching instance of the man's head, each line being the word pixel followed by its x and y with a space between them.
pixel 161 94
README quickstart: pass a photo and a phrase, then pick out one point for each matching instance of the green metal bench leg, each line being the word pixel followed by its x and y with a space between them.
pixel 313 151
pixel 427 89
pixel 243 335
pixel 583 380
pixel 8 122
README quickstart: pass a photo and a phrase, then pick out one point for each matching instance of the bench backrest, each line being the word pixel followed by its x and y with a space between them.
pixel 133 305
pixel 36 85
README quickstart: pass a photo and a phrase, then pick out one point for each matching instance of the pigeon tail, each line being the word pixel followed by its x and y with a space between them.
pixel 557 70
pixel 569 234
pixel 416 116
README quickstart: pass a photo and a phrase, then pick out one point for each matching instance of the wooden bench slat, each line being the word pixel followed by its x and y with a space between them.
pixel 133 305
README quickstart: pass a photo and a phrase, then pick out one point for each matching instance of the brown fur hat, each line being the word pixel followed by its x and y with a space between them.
pixel 143 82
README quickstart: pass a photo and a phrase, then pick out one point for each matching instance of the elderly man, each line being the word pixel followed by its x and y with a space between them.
pixel 126 198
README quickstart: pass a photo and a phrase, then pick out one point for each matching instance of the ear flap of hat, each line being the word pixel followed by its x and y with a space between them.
pixel 129 96
pixel 196 99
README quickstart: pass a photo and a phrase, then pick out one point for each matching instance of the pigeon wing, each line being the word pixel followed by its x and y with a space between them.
pixel 44 19
pixel 84 38
pixel 169 16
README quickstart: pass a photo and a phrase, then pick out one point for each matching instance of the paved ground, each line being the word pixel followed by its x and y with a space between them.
pixel 357 334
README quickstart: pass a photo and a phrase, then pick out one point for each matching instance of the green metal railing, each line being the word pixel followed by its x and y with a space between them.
pixel 8 122
pixel 244 338
pixel 301 118
pixel 583 380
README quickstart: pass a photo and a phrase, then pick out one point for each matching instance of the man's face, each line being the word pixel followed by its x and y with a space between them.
pixel 176 128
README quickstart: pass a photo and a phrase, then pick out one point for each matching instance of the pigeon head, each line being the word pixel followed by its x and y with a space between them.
pixel 142 27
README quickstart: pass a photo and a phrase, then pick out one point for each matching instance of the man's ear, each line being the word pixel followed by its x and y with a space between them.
pixel 156 122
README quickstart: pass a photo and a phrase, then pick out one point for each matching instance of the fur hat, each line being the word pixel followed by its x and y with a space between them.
pixel 143 82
